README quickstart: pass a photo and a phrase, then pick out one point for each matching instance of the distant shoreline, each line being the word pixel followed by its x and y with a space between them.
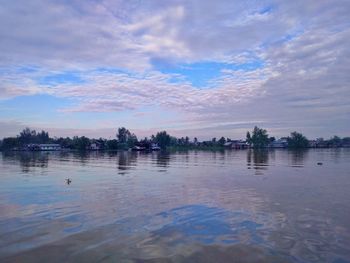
pixel 172 149
pixel 258 138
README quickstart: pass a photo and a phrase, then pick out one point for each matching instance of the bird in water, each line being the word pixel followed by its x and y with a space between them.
pixel 319 163
pixel 68 181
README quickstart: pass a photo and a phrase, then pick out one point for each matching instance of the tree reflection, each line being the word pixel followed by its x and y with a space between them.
pixel 28 160
pixel 336 154
pixel 84 157
pixel 298 156
pixel 126 160
pixel 163 159
pixel 81 156
pixel 257 159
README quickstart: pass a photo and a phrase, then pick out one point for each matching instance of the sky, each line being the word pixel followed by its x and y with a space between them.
pixel 195 68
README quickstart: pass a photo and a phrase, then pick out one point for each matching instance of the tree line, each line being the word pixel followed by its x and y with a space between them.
pixel 259 138
pixel 124 139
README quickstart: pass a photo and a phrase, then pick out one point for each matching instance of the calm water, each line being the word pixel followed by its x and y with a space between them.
pixel 232 206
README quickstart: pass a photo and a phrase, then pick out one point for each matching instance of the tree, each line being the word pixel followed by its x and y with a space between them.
pixel 335 141
pixel 64 142
pixel 123 135
pixel 297 141
pixel 173 141
pixel 181 141
pixel 187 140
pixel 259 138
pixel 346 141
pixel 112 144
pixel 163 139
pixel 132 140
pixel 81 143
pixel 43 137
pixel 222 141
pixel 27 136
pixel 153 138
pixel 249 138
pixel 9 143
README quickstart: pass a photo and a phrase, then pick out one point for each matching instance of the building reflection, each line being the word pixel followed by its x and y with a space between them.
pixel 28 161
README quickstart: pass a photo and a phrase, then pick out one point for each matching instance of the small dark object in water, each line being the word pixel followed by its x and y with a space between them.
pixel 68 181
pixel 319 163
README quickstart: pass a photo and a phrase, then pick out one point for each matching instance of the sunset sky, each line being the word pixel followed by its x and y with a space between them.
pixel 197 68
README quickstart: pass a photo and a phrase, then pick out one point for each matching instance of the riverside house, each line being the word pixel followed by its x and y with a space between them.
pixel 236 144
pixel 44 147
pixel 280 143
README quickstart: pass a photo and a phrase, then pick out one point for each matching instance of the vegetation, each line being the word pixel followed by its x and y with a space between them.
pixel 297 141
pixel 258 139
pixel 335 141
pixel 124 139
pixel 80 143
pixel 163 139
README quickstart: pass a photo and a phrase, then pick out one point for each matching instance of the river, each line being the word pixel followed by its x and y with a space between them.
pixel 189 206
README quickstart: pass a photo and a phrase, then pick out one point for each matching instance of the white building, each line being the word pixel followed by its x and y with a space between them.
pixel 280 143
pixel 49 147
pixel 95 146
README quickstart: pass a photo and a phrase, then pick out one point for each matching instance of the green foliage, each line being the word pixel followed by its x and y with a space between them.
pixel 112 144
pixel 123 135
pixel 249 138
pixel 163 139
pixel 132 140
pixel 259 138
pixel 9 143
pixel 81 143
pixel 222 141
pixel 43 137
pixel 65 142
pixel 126 139
pixel 297 141
pixel 346 141
pixel 335 141
pixel 173 140
pixel 28 136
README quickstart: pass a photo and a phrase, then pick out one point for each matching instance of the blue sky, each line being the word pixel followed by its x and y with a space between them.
pixel 199 74
pixel 196 68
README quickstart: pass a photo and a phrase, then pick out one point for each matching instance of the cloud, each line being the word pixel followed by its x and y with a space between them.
pixel 14 83
pixel 126 34
pixel 118 92
pixel 303 80
pixel 66 34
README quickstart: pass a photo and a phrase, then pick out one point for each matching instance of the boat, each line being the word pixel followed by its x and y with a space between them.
pixel 138 148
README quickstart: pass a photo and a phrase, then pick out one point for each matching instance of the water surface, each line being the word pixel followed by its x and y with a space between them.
pixel 195 206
